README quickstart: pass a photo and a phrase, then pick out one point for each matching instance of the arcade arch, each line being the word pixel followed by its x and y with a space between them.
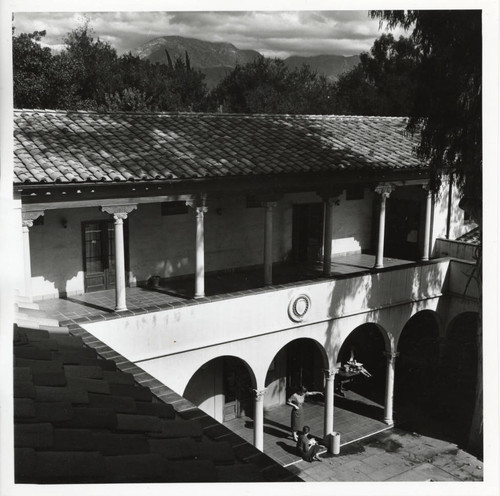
pixel 459 374
pixel 366 344
pixel 222 388
pixel 417 367
pixel 302 361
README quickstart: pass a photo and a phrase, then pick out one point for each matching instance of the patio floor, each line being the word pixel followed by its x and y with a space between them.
pixel 278 442
pixel 180 291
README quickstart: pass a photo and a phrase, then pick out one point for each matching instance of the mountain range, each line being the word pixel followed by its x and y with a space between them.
pixel 217 59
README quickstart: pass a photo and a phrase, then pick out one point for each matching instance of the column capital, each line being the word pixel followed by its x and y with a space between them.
pixel 199 210
pixel 269 204
pixel 384 190
pixel 259 393
pixel 119 212
pixel 391 355
pixel 198 203
pixel 29 216
pixel 330 373
pixel 427 187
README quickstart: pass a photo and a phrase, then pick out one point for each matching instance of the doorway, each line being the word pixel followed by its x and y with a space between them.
pixel 303 366
pixel 307 232
pixel 402 234
pixel 99 254
pixel 237 389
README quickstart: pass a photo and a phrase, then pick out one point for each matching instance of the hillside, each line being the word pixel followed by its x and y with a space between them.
pixel 330 65
pixel 203 54
pixel 217 59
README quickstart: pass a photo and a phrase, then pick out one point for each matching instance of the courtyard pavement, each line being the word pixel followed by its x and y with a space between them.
pixel 370 451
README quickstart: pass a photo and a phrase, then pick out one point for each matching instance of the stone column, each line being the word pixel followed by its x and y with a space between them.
pixel 329 406
pixel 384 191
pixel 389 387
pixel 258 416
pixel 119 213
pixel 27 220
pixel 268 243
pixel 328 234
pixel 427 227
pixel 199 291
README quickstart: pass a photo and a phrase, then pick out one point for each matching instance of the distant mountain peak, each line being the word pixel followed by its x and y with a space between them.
pixel 203 54
pixel 217 58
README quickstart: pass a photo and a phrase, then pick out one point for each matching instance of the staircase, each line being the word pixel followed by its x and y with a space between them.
pixel 29 316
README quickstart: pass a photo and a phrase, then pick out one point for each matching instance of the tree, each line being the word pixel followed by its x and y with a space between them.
pixel 384 81
pixel 268 86
pixel 448 117
pixel 31 70
pixel 129 100
pixel 94 67
pixel 88 75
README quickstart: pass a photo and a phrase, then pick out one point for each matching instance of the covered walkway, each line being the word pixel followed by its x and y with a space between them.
pixel 354 421
pixel 177 292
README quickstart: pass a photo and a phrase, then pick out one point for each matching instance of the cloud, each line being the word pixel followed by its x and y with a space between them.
pixel 273 33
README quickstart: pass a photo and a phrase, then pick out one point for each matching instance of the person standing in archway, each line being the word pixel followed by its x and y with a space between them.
pixel 296 401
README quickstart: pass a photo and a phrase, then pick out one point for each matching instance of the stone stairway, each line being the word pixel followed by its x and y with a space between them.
pixel 29 316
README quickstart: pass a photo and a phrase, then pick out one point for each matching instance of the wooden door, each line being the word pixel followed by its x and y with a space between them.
pixel 300 365
pixel 98 255
pixel 307 232
pixel 237 390
pixel 402 228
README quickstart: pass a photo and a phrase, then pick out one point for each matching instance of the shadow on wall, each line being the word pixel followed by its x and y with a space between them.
pixel 222 388
pixel 56 257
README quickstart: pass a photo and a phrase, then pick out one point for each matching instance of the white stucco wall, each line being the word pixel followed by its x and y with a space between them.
pixel 234 237
pixel 191 336
pixel 57 252
pixel 457 225
pixel 165 245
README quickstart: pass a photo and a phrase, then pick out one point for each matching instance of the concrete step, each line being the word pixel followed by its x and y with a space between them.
pixel 27 304
pixel 53 329
pixel 35 316
pixel 22 298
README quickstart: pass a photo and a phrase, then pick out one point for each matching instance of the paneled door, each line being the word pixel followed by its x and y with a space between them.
pixel 99 255
pixel 307 232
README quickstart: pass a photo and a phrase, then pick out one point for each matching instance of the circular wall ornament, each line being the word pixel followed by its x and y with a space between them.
pixel 298 307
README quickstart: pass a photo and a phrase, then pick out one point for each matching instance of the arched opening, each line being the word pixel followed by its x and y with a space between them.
pixel 299 363
pixel 458 376
pixel 362 389
pixel 222 388
pixel 417 371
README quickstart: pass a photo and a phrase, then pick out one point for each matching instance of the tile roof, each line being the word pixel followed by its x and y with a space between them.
pixel 80 147
pixel 80 419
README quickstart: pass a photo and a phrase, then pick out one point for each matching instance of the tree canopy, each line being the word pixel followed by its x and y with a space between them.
pixel 269 86
pixel 89 75
pixel 448 108
pixel 384 82
pixel 448 116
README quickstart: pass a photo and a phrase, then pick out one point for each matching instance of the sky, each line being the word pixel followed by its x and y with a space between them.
pixel 272 33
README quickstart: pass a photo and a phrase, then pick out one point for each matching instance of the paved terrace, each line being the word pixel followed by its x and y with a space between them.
pixel 91 307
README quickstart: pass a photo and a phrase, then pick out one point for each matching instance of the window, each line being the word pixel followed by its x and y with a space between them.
pixel 174 208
